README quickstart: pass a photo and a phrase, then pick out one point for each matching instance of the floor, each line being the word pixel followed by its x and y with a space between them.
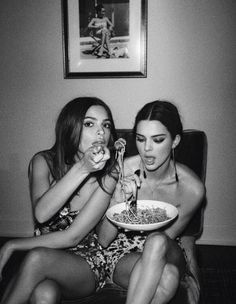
pixel 218 273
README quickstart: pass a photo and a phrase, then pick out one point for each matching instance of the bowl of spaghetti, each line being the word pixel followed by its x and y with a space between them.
pixel 149 215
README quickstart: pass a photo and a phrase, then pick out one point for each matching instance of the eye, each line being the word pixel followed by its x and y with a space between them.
pixel 88 124
pixel 159 140
pixel 107 125
pixel 140 139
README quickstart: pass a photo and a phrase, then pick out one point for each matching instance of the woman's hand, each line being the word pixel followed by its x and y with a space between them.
pixel 5 252
pixel 126 189
pixel 95 158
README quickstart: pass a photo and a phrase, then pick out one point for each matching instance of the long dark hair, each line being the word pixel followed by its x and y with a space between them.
pixel 163 111
pixel 168 114
pixel 60 157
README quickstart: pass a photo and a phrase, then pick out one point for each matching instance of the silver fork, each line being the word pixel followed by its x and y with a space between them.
pixel 133 203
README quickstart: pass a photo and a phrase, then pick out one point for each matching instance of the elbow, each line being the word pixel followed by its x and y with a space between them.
pixel 104 242
pixel 71 240
pixel 73 237
pixel 40 216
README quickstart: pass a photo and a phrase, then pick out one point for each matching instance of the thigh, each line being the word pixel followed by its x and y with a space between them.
pixel 175 256
pixel 124 268
pixel 71 272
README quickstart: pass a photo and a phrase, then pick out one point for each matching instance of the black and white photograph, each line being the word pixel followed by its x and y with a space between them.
pixel 117 158
pixel 106 39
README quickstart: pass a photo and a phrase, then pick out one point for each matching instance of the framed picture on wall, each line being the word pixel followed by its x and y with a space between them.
pixel 104 38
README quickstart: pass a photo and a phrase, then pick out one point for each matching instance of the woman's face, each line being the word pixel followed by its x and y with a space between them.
pixel 154 143
pixel 102 13
pixel 96 128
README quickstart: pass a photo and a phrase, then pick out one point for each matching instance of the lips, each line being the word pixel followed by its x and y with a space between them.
pixel 149 160
pixel 99 142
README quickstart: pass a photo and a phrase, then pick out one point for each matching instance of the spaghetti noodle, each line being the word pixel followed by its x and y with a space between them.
pixel 139 216
pixel 143 216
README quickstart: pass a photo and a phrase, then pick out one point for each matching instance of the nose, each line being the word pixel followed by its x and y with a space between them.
pixel 148 146
pixel 100 130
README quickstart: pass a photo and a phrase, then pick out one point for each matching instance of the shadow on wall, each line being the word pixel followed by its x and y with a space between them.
pixel 15 205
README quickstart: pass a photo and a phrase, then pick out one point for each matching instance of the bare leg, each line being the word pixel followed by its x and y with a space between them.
pixel 150 272
pixel 8 289
pixel 70 271
pixel 167 286
pixel 47 292
pixel 100 53
pixel 108 41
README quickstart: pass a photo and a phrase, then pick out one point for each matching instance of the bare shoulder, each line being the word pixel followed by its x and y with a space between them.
pixel 191 182
pixel 38 165
pixel 131 164
pixel 38 159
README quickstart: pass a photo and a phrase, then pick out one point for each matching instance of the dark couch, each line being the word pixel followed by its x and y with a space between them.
pixel 192 152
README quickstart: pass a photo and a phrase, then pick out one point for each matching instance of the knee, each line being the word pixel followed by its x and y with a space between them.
pixel 35 258
pixel 105 32
pixel 171 273
pixel 47 292
pixel 156 246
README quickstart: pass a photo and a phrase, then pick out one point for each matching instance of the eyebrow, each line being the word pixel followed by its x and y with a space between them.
pixel 94 118
pixel 155 135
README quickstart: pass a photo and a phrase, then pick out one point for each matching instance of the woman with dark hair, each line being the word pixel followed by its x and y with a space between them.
pixel 151 265
pixel 70 186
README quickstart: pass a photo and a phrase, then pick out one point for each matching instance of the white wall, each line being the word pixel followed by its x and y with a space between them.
pixel 191 61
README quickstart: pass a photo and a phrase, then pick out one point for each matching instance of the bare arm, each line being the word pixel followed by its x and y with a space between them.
pixel 92 24
pixel 191 201
pixel 107 231
pixel 111 25
pixel 48 199
pixel 190 191
pixel 85 221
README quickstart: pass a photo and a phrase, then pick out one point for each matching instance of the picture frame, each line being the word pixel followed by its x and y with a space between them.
pixel 107 39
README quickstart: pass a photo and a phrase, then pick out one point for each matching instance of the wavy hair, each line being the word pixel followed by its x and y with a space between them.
pixel 61 156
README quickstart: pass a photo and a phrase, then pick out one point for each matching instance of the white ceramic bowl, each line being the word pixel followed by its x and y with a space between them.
pixel 171 212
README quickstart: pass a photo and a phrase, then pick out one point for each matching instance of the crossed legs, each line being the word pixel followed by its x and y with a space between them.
pixel 105 40
pixel 153 276
pixel 48 274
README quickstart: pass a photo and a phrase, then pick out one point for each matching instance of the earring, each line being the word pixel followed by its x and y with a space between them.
pixel 173 157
